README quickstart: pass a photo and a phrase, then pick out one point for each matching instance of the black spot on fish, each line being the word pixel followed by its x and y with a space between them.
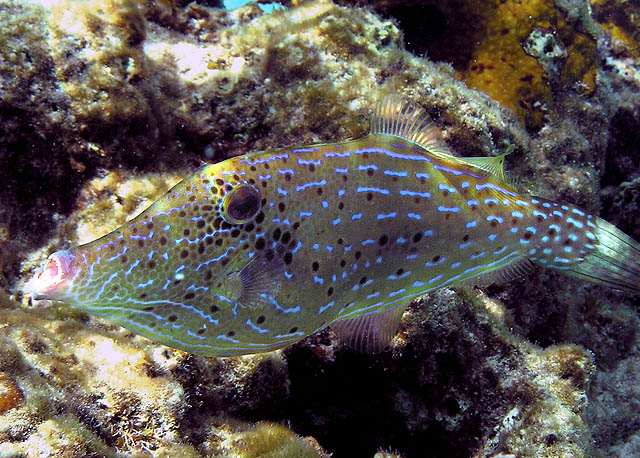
pixel 151 264
pixel 260 243
pixel 417 237
pixel 319 191
pixel 330 291
pixel 142 296
pixel 343 263
pixel 219 181
pixel 281 206
pixel 218 242
pixel 400 271
pixel 383 239
pixel 163 240
pixel 173 318
pixel 312 168
pixel 369 196
pixel 286 237
pixel 293 329
pixel 141 243
pixel 358 255
pixel 201 331
pixel 260 218
pixel 363 280
pixel 189 296
pixel 186 232
pixel 231 333
pixel 288 257
pixel 260 319
pixel 341 205
pixel 528 235
pixel 436 258
pixel 315 266
pixel 184 254
pixel 214 309
pixel 124 259
pixel 151 308
pixel 370 172
pixel 276 234
pixel 235 233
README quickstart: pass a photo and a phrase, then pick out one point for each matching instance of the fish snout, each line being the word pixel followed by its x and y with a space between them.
pixel 51 282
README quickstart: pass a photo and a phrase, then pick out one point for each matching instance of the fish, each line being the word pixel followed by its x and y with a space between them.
pixel 259 251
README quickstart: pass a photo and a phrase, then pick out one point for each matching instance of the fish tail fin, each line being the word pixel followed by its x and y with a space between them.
pixel 611 258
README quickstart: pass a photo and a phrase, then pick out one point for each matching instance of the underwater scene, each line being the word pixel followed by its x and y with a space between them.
pixel 348 228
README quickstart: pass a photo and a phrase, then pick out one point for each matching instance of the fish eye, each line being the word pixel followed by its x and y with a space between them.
pixel 241 204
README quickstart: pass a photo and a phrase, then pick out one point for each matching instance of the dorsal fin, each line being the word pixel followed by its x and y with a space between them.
pixel 492 164
pixel 402 118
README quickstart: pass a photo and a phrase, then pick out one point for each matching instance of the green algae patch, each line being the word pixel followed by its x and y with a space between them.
pixel 272 440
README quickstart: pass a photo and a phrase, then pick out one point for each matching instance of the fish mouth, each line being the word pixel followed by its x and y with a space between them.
pixel 52 280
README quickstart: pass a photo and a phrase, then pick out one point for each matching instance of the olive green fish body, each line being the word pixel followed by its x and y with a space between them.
pixel 259 251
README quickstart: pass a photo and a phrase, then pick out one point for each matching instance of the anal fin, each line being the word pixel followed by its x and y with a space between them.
pixel 517 268
pixel 369 333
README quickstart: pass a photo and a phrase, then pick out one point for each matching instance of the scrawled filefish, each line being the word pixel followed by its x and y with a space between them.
pixel 259 251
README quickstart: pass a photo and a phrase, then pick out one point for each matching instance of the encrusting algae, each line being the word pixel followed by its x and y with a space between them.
pixel 259 251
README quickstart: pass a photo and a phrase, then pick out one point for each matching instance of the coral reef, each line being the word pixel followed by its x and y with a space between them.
pixel 117 99
pixel 517 52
